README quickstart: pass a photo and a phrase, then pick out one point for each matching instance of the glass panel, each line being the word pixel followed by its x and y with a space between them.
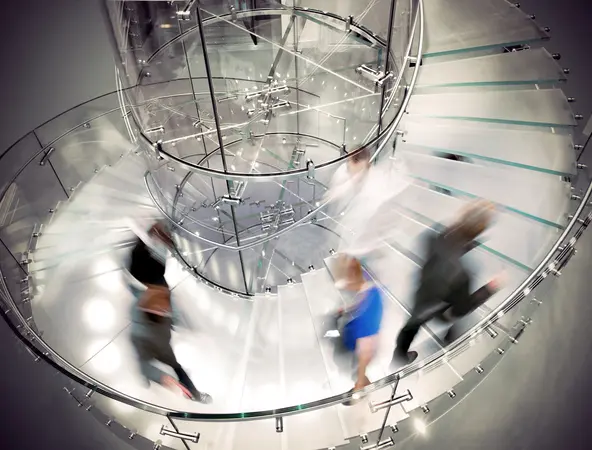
pixel 492 23
pixel 547 107
pixel 517 193
pixel 325 73
pixel 402 27
pixel 127 419
pixel 79 155
pixel 29 199
pixel 524 67
pixel 77 118
pixel 13 279
pixel 546 152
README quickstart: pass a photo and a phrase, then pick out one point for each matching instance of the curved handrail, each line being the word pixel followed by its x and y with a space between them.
pixel 286 175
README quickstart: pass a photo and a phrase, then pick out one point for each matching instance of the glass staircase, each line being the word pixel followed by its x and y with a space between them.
pixel 252 327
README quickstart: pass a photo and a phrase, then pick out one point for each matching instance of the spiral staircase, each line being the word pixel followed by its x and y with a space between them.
pixel 477 112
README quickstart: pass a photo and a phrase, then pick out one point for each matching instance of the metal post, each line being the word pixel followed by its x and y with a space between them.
pixel 178 192
pixel 14 257
pixel 218 132
pixel 51 165
pixel 177 431
pixel 388 410
pixel 387 62
pixel 211 86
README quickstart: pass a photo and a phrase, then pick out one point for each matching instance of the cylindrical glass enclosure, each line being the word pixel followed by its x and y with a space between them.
pixel 246 108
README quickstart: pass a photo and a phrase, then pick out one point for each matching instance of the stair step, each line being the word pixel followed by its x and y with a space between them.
pixel 453 26
pixel 534 150
pixel 546 107
pixel 305 377
pixel 410 234
pixel 262 380
pixel 536 195
pixel 514 235
pixel 111 195
pixel 534 66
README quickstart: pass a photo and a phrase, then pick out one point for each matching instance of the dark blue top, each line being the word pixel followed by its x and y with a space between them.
pixel 366 318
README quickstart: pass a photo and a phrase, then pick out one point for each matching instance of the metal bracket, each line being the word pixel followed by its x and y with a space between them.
pixel 194 437
pixel 384 78
pixel 380 445
pixel 310 168
pixel 374 407
pixel 348 23
pixel 158 149
pixel 279 424
pixel 46 156
pixel 159 129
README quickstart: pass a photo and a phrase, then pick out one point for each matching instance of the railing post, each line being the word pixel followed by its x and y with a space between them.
pixel 218 132
pixel 387 64
pixel 379 444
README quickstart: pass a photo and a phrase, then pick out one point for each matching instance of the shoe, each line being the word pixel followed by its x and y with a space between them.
pixel 400 360
pixel 357 393
pixel 356 398
pixel 202 397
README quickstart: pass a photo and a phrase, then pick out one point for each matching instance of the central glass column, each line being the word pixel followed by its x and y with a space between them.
pixel 246 109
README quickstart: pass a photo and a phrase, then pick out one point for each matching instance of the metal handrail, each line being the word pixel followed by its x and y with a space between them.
pixel 244 176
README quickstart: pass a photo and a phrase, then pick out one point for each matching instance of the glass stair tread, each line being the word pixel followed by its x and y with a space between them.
pixel 302 357
pixel 547 107
pixel 535 150
pixel 305 376
pixel 454 26
pixel 518 237
pixel 261 386
pixel 410 232
pixel 523 67
pixel 534 195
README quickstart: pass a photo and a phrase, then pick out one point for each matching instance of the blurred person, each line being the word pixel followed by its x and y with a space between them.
pixel 360 322
pixel 151 338
pixel 152 317
pixel 359 191
pixel 444 286
pixel 145 264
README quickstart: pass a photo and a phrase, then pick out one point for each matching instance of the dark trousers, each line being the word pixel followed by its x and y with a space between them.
pixel 149 349
pixel 422 314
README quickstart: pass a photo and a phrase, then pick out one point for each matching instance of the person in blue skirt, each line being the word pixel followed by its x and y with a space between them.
pixel 361 321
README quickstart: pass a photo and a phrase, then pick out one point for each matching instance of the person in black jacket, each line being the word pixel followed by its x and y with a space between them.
pixel 144 266
pixel 152 319
pixel 444 285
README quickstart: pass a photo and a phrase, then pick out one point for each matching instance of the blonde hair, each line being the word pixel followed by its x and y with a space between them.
pixel 475 219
